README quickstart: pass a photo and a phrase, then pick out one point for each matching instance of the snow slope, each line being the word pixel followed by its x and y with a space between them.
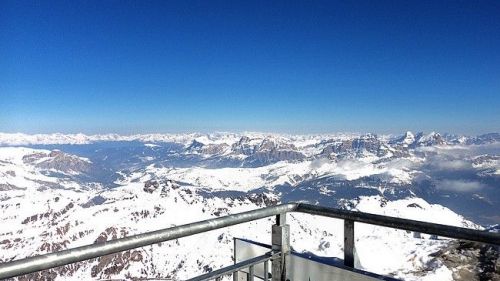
pixel 36 219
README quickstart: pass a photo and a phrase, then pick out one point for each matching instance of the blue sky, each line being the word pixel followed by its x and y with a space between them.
pixel 277 66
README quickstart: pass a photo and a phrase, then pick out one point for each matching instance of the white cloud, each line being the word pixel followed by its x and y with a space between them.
pixel 459 185
pixel 318 163
pixel 453 165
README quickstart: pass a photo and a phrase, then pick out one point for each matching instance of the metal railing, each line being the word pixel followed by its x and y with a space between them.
pixel 232 269
pixel 280 239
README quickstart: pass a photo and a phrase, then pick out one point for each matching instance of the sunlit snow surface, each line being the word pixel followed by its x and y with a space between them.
pixel 37 220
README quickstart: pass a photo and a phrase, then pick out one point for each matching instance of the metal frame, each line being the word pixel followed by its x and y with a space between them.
pixel 280 231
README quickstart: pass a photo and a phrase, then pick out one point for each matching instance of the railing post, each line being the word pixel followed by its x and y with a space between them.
pixel 250 273
pixel 280 243
pixel 266 271
pixel 235 274
pixel 349 243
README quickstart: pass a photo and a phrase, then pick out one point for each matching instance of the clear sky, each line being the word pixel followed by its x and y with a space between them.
pixel 274 66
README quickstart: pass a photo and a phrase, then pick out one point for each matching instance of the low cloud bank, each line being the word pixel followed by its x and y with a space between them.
pixel 459 185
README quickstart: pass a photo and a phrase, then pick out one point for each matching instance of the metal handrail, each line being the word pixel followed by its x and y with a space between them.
pixel 235 267
pixel 404 224
pixel 42 262
pixel 47 261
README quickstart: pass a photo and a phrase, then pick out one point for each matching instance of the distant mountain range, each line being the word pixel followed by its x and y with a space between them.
pixel 408 138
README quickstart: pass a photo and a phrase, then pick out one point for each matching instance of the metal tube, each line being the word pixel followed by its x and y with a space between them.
pixel 235 274
pixel 38 263
pixel 250 273
pixel 266 271
pixel 405 224
pixel 234 268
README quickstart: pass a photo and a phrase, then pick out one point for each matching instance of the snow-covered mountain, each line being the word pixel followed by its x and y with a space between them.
pixel 231 138
pixel 61 191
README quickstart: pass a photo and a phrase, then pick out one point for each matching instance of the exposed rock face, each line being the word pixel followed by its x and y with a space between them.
pixel 214 149
pixel 195 146
pixel 243 146
pixel 414 205
pixel 52 215
pixel 59 161
pixel 31 158
pixel 405 140
pixel 108 266
pixel 267 157
pixel 428 140
pixel 409 140
pixel 97 200
pixel 7 187
pixel 168 185
pixel 270 145
pixel 471 261
pixel 207 149
pixel 266 151
pixel 56 153
pixel 354 148
pixel 152 185
pixel 262 199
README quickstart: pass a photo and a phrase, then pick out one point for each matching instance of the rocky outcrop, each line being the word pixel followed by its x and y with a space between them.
pixel 266 151
pixel 428 140
pixel 214 149
pixel 195 146
pixel 53 216
pixel 58 161
pixel 110 265
pixel 355 148
pixel 262 199
pixel 273 156
pixel 243 146
pixel 152 185
pixel 471 261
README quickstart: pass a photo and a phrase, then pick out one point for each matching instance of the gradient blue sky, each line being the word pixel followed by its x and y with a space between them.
pixel 280 66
